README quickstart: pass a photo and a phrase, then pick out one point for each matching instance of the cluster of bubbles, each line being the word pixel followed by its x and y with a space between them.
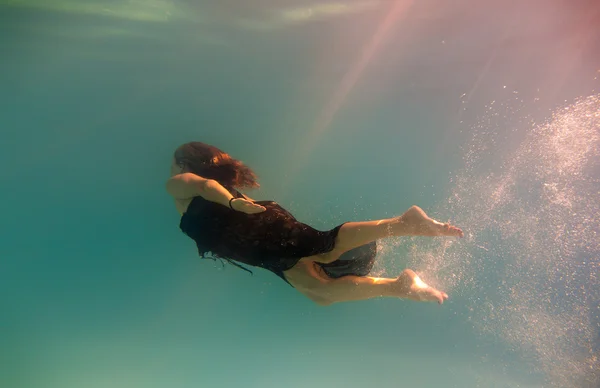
pixel 528 199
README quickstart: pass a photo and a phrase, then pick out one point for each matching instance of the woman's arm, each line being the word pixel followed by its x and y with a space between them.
pixel 189 185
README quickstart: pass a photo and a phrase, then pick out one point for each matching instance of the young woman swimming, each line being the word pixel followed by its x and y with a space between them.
pixel 326 266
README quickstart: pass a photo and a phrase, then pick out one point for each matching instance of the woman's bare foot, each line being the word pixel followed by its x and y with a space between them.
pixel 410 286
pixel 416 223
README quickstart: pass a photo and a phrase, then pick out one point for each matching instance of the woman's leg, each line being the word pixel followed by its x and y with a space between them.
pixel 307 278
pixel 414 222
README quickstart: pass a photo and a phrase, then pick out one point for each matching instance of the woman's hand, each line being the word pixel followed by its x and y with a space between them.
pixel 245 206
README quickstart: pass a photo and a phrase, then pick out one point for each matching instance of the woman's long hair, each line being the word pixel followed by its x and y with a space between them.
pixel 212 163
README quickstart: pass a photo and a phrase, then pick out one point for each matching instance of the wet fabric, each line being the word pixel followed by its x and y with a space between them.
pixel 273 239
pixel 358 262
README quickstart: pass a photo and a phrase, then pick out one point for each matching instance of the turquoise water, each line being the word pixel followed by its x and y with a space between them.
pixel 485 114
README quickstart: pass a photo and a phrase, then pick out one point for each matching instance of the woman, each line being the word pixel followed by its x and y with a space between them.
pixel 326 266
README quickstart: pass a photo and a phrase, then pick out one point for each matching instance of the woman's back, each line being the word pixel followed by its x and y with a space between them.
pixel 272 239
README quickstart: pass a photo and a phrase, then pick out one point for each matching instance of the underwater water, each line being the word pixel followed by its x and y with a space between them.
pixel 483 113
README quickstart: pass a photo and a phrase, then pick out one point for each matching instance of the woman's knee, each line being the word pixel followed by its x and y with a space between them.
pixel 319 290
pixel 319 300
pixel 308 280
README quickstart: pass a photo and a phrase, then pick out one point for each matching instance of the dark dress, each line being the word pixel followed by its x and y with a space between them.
pixel 273 240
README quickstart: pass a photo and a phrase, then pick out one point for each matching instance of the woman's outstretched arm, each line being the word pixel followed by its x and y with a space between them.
pixel 189 185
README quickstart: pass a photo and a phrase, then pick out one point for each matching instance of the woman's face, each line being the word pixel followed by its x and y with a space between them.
pixel 175 169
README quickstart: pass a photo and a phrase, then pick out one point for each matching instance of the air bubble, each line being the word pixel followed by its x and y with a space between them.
pixel 535 209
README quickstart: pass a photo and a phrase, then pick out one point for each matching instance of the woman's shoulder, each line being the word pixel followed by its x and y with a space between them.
pixel 185 185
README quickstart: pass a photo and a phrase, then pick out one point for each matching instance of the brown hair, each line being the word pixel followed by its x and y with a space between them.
pixel 212 163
